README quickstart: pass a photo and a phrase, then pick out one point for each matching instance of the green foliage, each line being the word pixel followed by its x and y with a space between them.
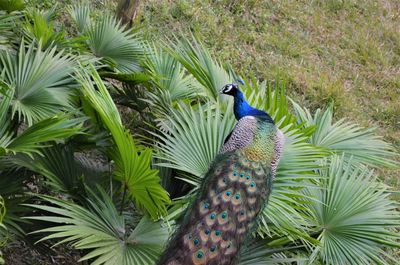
pixel 38 27
pixel 7 24
pixel 172 83
pixel 64 172
pixel 40 81
pixel 12 5
pixel 344 137
pixel 37 136
pixel 103 231
pixel 80 13
pixel 118 48
pixel 2 210
pixel 132 162
pixel 198 61
pixel 194 139
pixel 353 215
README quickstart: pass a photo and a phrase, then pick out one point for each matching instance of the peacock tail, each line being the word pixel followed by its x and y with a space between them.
pixel 235 190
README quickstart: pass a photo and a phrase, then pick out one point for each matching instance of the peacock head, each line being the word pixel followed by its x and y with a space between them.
pixel 230 89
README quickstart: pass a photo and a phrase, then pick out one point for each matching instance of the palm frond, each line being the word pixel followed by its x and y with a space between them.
pixel 343 137
pixel 172 85
pixel 38 28
pixel 353 215
pixel 38 135
pixel 80 13
pixel 40 79
pixel 7 24
pixel 133 164
pixel 194 139
pixel 198 61
pixel 64 172
pixel 102 231
pixel 118 48
pixel 257 252
pixel 2 209
pixel 168 74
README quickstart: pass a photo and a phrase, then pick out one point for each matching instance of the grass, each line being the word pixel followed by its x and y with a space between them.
pixel 341 52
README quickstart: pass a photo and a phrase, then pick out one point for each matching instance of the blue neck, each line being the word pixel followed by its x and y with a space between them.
pixel 241 108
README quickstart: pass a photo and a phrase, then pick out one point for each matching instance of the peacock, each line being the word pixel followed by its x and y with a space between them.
pixel 235 190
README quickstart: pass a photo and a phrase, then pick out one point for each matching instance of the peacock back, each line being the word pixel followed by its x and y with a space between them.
pixel 235 190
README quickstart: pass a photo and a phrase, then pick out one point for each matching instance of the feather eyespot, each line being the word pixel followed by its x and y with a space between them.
pixel 200 254
pixel 217 232
pixel 212 216
pixel 213 248
pixel 196 242
pixel 228 193
pixel 199 257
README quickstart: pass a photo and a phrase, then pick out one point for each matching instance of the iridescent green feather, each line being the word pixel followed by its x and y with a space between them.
pixel 235 190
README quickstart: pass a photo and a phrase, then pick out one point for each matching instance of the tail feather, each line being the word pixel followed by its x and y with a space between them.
pixel 217 224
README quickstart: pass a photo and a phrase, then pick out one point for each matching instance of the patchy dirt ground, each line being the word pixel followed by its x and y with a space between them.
pixel 19 253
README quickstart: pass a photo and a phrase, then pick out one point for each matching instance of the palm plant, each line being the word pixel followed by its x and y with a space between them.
pixel 171 83
pixel 343 137
pixel 353 217
pixel 80 13
pixel 132 162
pixel 39 82
pixel 198 61
pixel 117 48
pixel 38 27
pixel 7 24
pixel 103 231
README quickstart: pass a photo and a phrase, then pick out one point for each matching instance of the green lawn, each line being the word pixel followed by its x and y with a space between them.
pixel 345 52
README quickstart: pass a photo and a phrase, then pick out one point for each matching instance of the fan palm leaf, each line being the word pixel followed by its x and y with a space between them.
pixel 353 215
pixel 171 85
pixel 198 61
pixel 64 172
pixel 80 13
pixel 118 48
pixel 41 82
pixel 102 231
pixel 343 137
pixel 38 135
pixel 257 252
pixel 194 139
pixel 168 74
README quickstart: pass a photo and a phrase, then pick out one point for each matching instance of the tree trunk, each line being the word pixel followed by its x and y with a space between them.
pixel 127 11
